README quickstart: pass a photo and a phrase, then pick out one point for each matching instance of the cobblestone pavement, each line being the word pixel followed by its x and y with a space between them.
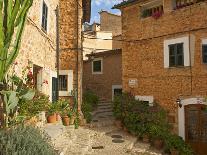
pixel 108 140
pixel 101 137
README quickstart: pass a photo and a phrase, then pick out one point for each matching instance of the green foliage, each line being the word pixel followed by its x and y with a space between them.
pixel 31 108
pixel 90 101
pixel 176 142
pixel 24 141
pixel 141 119
pixel 12 17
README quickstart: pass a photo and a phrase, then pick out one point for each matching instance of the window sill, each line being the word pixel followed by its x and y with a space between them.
pixel 94 73
pixel 179 67
pixel 65 94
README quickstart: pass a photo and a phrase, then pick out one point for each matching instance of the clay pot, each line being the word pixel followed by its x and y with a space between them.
pixel 51 118
pixel 146 138
pixel 174 152
pixel 58 117
pixel 66 120
pixel 158 144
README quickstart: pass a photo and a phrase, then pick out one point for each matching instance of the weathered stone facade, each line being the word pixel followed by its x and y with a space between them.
pixel 71 55
pixel 38 46
pixel 110 22
pixel 143 54
pixel 102 84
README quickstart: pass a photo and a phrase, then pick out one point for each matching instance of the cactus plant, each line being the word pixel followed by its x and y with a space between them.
pixel 12 20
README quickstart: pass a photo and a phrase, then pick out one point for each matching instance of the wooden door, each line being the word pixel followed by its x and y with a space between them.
pixel 196 127
pixel 54 89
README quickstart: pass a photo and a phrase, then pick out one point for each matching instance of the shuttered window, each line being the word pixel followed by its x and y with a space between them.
pixel 204 53
pixel 176 55
pixel 44 16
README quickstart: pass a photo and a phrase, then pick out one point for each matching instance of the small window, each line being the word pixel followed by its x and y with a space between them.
pixel 204 53
pixel 44 16
pixel 63 82
pixel 152 12
pixel 97 66
pixel 176 57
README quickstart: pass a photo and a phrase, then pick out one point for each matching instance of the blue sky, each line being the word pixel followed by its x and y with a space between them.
pixel 98 5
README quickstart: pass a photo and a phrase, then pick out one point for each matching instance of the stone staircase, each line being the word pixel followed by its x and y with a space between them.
pixel 103 115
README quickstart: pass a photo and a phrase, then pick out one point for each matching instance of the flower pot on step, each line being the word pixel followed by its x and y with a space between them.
pixel 51 118
pixel 158 144
pixel 66 120
pixel 174 152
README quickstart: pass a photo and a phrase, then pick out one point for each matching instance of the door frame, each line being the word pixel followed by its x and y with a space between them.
pixel 115 87
pixel 181 113
pixel 52 74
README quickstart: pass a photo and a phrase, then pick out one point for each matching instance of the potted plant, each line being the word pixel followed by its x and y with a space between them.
pixel 157 133
pixel 51 114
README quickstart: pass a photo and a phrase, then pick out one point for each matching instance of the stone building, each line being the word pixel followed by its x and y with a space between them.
pixel 103 74
pixel 164 60
pixel 38 45
pixel 100 37
pixel 73 13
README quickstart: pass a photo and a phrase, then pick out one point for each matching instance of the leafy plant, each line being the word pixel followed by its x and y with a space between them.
pixel 12 17
pixel 90 101
pixel 24 140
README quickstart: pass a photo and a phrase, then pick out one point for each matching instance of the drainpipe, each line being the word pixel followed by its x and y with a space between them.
pixel 57 48
pixel 77 59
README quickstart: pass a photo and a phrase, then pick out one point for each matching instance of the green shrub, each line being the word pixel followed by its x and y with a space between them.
pixel 90 102
pixel 24 141
pixel 31 108
pixel 141 119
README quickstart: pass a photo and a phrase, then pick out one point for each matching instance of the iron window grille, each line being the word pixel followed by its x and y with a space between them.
pixel 63 82
pixel 204 53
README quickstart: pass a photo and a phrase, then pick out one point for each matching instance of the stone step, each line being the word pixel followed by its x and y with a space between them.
pixel 102 123
pixel 104 104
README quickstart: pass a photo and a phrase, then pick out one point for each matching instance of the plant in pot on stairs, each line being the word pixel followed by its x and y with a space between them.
pixel 65 111
pixel 51 113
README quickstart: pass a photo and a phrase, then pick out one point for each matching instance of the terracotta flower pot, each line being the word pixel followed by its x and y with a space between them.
pixel 146 138
pixel 158 144
pixel 174 152
pixel 66 120
pixel 58 117
pixel 51 118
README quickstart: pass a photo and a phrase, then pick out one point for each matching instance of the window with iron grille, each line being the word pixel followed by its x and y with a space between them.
pixel 204 53
pixel 44 16
pixel 176 56
pixel 63 82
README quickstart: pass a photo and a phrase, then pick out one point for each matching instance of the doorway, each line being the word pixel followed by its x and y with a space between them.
pixel 116 90
pixel 196 127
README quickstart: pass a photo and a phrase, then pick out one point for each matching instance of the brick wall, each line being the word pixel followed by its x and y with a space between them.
pixel 143 59
pixel 101 84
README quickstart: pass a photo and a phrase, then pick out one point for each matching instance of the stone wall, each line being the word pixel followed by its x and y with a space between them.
pixel 101 84
pixel 110 22
pixel 70 40
pixel 143 57
pixel 37 46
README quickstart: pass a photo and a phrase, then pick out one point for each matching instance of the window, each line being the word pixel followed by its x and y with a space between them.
pixel 63 82
pixel 152 12
pixel 204 53
pixel 97 66
pixel 44 16
pixel 177 51
pixel 176 57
